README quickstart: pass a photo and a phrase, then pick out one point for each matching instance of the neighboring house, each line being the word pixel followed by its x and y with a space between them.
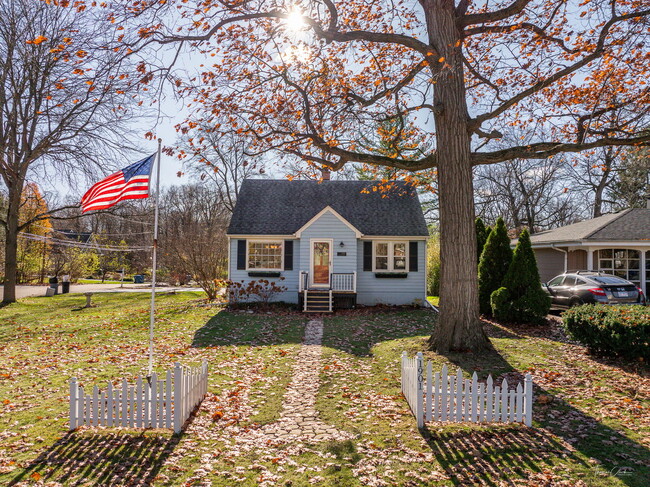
pixel 336 243
pixel 617 243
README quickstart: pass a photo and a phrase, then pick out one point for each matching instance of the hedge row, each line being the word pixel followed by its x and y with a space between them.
pixel 620 330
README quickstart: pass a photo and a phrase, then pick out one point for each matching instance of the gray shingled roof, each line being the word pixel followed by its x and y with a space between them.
pixel 630 224
pixel 282 207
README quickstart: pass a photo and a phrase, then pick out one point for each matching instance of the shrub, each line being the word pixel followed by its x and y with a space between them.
pixel 433 265
pixel 619 330
pixel 521 298
pixel 482 232
pixel 492 268
pixel 264 290
pixel 238 293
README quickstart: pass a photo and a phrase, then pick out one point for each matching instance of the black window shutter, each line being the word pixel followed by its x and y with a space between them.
pixel 288 255
pixel 241 254
pixel 413 256
pixel 367 256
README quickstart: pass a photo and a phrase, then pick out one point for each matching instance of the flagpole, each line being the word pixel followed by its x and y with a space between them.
pixel 155 249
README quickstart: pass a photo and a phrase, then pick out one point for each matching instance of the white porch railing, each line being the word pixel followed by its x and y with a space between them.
pixel 303 281
pixel 346 282
pixel 339 282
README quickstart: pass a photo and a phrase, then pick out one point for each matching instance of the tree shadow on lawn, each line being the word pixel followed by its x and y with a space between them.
pixel 102 458
pixel 227 328
pixel 492 454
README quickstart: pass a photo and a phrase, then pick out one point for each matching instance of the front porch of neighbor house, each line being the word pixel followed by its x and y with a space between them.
pixel 326 292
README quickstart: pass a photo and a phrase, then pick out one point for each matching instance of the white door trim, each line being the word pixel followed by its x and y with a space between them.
pixel 312 241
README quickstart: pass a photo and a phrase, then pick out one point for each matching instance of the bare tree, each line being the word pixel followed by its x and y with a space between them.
pixel 527 193
pixel 221 161
pixel 193 235
pixel 63 103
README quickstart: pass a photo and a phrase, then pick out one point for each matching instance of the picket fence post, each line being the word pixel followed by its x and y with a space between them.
pixel 178 398
pixel 419 397
pixel 528 400
pixel 74 407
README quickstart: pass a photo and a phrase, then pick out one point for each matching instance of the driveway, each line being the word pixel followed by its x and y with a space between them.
pixel 30 291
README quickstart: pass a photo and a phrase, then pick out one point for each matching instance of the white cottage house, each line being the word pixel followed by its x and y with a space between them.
pixel 335 243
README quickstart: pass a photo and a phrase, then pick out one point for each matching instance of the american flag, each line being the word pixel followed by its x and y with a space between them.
pixel 130 183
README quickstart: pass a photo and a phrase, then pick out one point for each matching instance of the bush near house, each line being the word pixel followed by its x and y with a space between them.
pixel 619 330
pixel 482 233
pixel 521 298
pixel 433 265
pixel 492 268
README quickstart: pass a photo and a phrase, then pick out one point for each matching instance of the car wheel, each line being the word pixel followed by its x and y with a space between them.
pixel 575 302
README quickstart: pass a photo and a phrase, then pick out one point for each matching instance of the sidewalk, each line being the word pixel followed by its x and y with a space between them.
pixel 39 290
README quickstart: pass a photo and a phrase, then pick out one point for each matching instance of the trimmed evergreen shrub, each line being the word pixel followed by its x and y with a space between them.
pixel 521 298
pixel 482 232
pixel 492 267
pixel 433 265
pixel 619 330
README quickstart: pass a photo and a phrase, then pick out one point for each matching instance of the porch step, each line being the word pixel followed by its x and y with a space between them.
pixel 317 302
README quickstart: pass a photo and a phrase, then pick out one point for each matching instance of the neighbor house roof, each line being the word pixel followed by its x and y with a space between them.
pixel 632 224
pixel 282 207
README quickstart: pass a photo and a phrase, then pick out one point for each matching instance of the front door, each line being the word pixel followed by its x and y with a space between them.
pixel 320 262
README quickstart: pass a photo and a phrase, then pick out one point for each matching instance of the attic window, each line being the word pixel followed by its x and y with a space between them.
pixel 264 255
pixel 390 256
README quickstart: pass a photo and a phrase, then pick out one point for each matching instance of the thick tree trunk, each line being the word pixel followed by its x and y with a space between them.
pixel 459 327
pixel 11 245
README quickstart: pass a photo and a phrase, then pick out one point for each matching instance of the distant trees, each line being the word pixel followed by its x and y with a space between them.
pixel 63 101
pixel 221 161
pixel 532 194
pixel 192 237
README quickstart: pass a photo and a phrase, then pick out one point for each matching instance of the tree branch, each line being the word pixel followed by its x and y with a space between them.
pixel 513 9
pixel 543 150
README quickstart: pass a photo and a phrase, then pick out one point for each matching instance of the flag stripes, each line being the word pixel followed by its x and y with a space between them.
pixel 130 183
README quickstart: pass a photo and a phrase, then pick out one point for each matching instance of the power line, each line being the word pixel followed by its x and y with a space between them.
pixel 80 245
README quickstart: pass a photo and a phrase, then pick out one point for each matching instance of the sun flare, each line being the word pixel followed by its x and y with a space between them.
pixel 295 20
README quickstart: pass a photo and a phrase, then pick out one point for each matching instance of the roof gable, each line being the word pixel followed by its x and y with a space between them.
pixel 328 209
pixel 282 207
pixel 628 225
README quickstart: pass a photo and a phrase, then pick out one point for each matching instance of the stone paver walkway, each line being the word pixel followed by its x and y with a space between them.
pixel 299 419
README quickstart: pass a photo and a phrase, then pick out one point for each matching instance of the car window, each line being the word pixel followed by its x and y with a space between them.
pixel 569 281
pixel 556 281
pixel 580 282
pixel 609 280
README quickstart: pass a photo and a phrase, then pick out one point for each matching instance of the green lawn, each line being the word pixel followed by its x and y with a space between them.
pixel 590 419
pixel 434 300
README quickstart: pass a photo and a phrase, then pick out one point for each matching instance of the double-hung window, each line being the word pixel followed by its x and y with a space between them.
pixel 263 255
pixel 390 256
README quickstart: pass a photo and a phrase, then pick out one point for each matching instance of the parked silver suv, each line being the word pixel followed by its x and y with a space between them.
pixel 582 287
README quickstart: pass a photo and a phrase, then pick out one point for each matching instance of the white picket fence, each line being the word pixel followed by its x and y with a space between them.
pixel 444 397
pixel 149 403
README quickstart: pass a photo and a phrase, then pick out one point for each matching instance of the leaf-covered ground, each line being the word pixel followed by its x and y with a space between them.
pixel 591 416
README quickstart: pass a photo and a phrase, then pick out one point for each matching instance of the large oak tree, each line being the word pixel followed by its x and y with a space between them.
pixel 309 78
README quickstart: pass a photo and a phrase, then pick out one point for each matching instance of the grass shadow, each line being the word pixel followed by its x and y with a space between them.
pixel 241 328
pixel 102 458
pixel 358 331
pixel 561 429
